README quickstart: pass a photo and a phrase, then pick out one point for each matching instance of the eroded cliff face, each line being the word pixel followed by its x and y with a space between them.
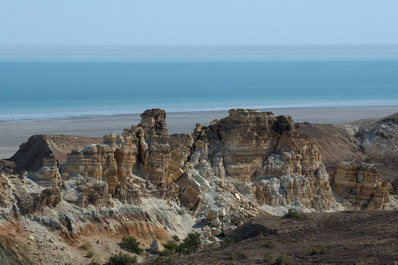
pixel 362 185
pixel 268 161
pixel 373 141
pixel 379 141
pixel 152 185
pixel 265 154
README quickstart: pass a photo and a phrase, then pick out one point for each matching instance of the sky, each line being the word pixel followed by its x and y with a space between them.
pixel 199 22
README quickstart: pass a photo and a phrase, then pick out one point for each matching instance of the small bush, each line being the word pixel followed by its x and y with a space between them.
pixel 227 242
pixel 282 259
pixel 237 255
pixel 86 246
pixel 316 251
pixel 90 254
pixel 293 214
pixel 131 245
pixel 267 257
pixel 190 244
pixel 160 260
pixel 270 244
pixel 122 259
pixel 170 248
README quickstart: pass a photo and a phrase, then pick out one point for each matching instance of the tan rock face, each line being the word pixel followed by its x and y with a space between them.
pixel 152 185
pixel 361 184
pixel 31 155
pixel 279 164
pixel 145 150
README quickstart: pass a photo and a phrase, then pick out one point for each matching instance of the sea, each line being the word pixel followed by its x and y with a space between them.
pixel 40 83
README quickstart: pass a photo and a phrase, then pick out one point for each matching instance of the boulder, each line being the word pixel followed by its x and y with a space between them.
pixel 156 246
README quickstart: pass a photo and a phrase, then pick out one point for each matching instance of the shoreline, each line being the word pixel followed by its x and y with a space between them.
pixel 15 132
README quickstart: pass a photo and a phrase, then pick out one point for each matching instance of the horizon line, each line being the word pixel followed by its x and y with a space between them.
pixel 198 45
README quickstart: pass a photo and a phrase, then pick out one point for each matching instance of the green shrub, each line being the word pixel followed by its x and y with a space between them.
pixel 131 244
pixel 318 251
pixel 267 256
pixel 270 244
pixel 292 214
pixel 122 259
pixel 86 246
pixel 160 260
pixel 90 254
pixel 237 255
pixel 190 244
pixel 170 248
pixel 227 242
pixel 282 259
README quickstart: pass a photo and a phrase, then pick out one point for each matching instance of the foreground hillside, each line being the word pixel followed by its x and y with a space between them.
pixel 66 199
pixel 319 238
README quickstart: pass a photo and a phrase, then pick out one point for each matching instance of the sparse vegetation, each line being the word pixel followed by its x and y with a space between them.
pixel 268 257
pixel 170 248
pixel 90 254
pixel 227 241
pixel 160 260
pixel 237 255
pixel 86 246
pixel 190 244
pixel 293 214
pixel 315 251
pixel 270 243
pixel 131 245
pixel 122 259
pixel 282 259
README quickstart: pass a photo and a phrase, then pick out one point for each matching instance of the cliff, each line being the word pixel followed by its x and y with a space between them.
pixel 31 155
pixel 153 185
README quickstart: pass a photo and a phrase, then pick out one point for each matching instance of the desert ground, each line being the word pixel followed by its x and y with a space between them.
pixel 350 238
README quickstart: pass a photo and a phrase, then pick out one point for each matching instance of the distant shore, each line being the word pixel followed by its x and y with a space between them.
pixel 14 133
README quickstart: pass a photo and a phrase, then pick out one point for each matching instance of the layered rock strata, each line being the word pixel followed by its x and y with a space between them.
pixel 362 185
pixel 156 186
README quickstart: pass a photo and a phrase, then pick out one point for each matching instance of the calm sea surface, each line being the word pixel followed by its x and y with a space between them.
pixel 31 90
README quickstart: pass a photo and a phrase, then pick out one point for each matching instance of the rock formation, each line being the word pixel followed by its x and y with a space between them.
pixel 361 185
pixel 379 141
pixel 369 141
pixel 156 186
pixel 264 153
pixel 31 154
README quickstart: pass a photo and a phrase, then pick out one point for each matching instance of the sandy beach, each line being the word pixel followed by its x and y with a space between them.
pixel 14 133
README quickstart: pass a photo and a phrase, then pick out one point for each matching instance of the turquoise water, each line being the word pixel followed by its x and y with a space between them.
pixel 31 90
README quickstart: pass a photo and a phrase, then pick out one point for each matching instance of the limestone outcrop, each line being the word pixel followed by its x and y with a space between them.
pixel 372 141
pixel 156 186
pixel 362 185
pixel 277 165
pixel 379 141
pixel 31 155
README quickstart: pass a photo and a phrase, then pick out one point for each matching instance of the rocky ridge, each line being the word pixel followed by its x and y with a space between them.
pixel 153 185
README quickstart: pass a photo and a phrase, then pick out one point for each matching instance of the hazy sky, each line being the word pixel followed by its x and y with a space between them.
pixel 199 22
